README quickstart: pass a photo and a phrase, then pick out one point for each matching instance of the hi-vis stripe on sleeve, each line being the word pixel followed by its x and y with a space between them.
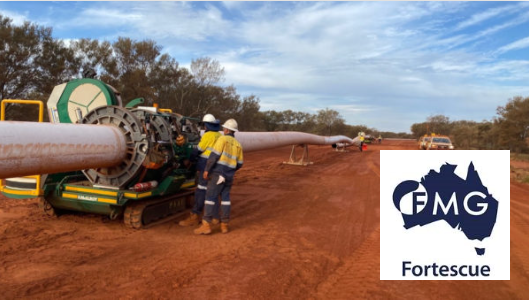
pixel 228 159
pixel 229 155
pixel 229 151
pixel 207 153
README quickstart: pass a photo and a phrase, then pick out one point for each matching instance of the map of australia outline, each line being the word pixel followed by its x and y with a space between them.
pixel 467 215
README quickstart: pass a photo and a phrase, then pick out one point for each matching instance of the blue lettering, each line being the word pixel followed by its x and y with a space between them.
pixel 485 270
pixel 416 201
pixel 461 271
pixel 404 268
pixel 418 272
pixel 444 270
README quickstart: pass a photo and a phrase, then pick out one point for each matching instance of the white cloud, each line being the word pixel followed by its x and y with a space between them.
pixel 166 20
pixel 234 5
pixel 351 108
pixel 519 44
pixel 17 18
pixel 488 14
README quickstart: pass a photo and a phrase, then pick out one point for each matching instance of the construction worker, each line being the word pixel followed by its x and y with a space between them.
pixel 203 151
pixel 226 158
pixel 362 137
pixel 379 139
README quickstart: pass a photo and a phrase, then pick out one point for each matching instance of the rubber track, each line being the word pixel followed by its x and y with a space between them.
pixel 132 217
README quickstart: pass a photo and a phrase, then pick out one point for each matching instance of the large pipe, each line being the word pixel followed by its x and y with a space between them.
pixel 253 141
pixel 28 148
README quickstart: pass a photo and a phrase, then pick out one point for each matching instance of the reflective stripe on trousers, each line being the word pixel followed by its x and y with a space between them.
pixel 200 196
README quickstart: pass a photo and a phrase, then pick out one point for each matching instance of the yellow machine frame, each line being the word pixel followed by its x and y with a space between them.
pixel 37 191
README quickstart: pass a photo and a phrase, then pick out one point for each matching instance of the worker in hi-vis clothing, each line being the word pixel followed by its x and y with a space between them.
pixel 226 158
pixel 362 137
pixel 203 151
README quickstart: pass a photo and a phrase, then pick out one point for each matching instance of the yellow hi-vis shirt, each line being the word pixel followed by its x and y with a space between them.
pixel 226 157
pixel 207 142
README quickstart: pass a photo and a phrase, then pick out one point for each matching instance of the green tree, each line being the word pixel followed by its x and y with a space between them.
pixel 353 130
pixel 19 48
pixel 513 124
pixel 439 124
pixel 487 135
pixel 165 79
pixel 134 65
pixel 327 118
pixel 272 120
pixel 31 64
pixel 247 114
pixel 56 64
pixel 207 71
pixel 98 56
pixel 465 134
pixel 419 129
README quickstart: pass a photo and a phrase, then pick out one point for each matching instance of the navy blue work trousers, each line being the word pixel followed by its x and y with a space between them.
pixel 213 192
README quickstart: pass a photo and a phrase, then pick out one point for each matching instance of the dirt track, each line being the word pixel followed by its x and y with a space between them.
pixel 297 233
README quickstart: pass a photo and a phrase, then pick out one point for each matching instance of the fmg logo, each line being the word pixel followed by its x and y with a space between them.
pixel 464 204
pixel 419 198
pixel 440 215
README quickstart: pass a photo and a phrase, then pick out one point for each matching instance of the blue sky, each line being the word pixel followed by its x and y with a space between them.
pixel 382 64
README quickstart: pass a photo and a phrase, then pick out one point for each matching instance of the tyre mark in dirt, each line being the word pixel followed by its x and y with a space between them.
pixel 359 272
pixel 352 209
pixel 519 238
pixel 358 275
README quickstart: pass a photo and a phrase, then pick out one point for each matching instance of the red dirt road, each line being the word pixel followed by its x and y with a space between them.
pixel 297 233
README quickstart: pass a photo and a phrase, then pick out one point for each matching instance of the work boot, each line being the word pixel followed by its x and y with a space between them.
pixel 192 220
pixel 204 229
pixel 224 227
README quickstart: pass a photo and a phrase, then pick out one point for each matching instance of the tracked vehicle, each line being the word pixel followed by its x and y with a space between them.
pixel 148 177
pixel 101 157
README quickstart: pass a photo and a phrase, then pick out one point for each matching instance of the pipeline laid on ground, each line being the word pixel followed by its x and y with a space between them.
pixel 28 148
pixel 254 141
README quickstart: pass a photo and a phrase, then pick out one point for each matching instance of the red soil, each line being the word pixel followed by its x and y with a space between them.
pixel 297 233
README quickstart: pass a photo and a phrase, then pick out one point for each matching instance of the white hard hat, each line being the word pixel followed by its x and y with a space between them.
pixel 231 124
pixel 208 118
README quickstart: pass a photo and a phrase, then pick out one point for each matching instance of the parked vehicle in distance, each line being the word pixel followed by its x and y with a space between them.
pixel 369 139
pixel 439 143
pixel 423 142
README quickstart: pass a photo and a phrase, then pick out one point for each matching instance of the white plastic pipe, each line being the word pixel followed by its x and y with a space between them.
pixel 254 141
pixel 29 148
